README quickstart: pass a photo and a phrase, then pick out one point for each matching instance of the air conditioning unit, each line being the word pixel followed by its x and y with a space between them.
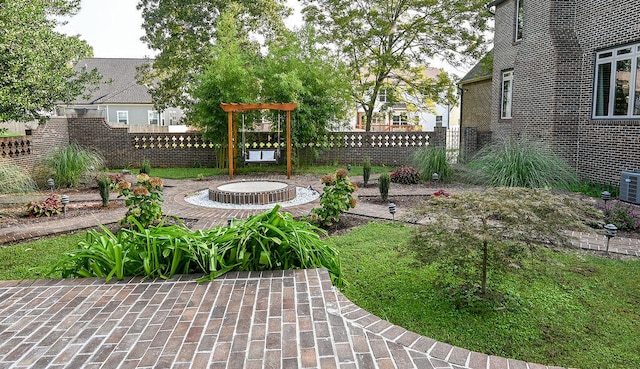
pixel 629 188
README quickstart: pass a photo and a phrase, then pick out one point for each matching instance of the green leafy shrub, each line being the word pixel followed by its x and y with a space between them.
pixel 145 168
pixel 384 182
pixel 269 241
pixel 144 201
pixel 366 171
pixel 431 160
pixel 337 197
pixel 405 175
pixel 624 216
pixel 71 163
pixel 520 163
pixel 13 179
pixel 52 205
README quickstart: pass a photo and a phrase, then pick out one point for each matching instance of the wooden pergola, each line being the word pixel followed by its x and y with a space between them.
pixel 237 108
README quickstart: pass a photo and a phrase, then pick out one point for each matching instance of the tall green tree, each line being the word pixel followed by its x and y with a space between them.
pixel 36 62
pixel 182 30
pixel 292 67
pixel 388 43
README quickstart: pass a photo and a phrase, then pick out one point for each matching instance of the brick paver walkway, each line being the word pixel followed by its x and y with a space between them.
pixel 290 319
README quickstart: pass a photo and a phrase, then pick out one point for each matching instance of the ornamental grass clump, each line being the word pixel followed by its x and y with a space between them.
pixel 337 198
pixel 14 179
pixel 144 201
pixel 71 163
pixel 520 163
pixel 430 160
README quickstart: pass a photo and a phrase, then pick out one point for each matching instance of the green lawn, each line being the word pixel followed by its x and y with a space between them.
pixel 565 309
pixel 568 310
pixel 186 173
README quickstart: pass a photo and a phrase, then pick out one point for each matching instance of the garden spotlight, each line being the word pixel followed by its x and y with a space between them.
pixel 392 210
pixel 65 200
pixel 610 231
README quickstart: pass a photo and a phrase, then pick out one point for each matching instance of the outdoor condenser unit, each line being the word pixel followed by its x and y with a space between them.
pixel 629 188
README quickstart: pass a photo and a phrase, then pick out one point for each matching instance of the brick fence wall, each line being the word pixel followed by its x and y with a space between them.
pixel 123 149
pixel 29 150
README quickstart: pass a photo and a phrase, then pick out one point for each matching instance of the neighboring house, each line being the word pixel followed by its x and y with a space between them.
pixel 121 100
pixel 475 106
pixel 398 117
pixel 567 73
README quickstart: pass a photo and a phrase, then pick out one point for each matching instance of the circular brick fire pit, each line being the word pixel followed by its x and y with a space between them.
pixel 253 192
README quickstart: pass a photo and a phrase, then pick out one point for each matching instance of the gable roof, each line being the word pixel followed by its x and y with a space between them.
pixel 481 71
pixel 123 88
pixel 495 3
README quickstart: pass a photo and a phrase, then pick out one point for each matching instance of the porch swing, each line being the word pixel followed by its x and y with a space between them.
pixel 241 108
pixel 260 155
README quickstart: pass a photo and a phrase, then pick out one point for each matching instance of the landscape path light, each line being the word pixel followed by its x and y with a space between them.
pixel 348 167
pixel 610 231
pixel 392 210
pixel 65 200
pixel 51 184
pixel 606 196
pixel 230 220
pixel 435 177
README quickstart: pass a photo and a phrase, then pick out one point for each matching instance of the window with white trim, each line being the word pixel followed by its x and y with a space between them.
pixel 400 118
pixel 153 117
pixel 507 94
pixel 382 95
pixel 617 83
pixel 123 117
pixel 519 20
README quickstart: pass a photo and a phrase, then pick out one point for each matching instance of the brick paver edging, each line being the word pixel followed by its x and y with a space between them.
pixel 278 319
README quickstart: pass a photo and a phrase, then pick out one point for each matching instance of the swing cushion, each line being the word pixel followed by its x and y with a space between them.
pixel 268 155
pixel 254 155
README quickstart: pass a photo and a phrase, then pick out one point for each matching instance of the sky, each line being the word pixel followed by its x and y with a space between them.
pixel 113 28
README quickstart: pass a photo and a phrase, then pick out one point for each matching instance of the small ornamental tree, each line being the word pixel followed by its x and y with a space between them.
pixel 475 235
pixel 336 199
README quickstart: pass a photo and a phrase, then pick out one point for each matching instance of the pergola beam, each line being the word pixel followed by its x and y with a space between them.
pixel 237 108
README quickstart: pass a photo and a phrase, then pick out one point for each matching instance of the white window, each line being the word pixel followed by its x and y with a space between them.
pixel 153 116
pixel 123 117
pixel 507 94
pixel 400 118
pixel 438 120
pixel 519 20
pixel 382 95
pixel 617 83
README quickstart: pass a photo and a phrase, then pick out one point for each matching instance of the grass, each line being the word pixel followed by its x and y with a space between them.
pixel 34 260
pixel 191 173
pixel 566 309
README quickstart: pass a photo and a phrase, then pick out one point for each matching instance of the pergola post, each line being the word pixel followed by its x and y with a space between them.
pixel 231 108
pixel 230 143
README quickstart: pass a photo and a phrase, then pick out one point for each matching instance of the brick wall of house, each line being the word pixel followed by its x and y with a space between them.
pixel 475 117
pixel 553 81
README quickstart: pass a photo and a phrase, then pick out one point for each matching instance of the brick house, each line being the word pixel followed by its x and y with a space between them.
pixel 567 73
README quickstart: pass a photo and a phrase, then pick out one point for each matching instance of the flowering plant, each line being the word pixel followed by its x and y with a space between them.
pixel 336 198
pixel 52 205
pixel 144 201
pixel 441 192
